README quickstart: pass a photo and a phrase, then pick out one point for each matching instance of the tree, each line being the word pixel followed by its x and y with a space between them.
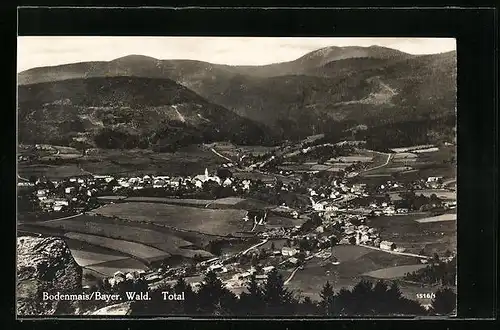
pixel 308 307
pixel 252 301
pixel 224 173
pixel 326 303
pixel 445 302
pixel 214 298
pixel 278 300
pixel 273 247
pixel 188 306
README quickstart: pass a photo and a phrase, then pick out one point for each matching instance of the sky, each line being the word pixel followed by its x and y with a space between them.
pixel 48 51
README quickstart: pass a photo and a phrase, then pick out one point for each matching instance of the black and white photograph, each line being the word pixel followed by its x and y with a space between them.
pixel 236 177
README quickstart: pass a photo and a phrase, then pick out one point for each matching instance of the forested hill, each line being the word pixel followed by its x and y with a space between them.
pixel 324 91
pixel 127 112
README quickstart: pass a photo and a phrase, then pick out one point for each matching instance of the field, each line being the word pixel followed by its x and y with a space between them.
pixel 139 251
pixel 186 161
pixel 394 272
pixel 124 265
pixel 277 221
pixel 149 235
pixel 443 217
pixel 166 200
pixel 233 151
pixel 408 233
pixel 355 261
pixel 215 222
pixel 49 171
pixel 86 258
pixel 443 194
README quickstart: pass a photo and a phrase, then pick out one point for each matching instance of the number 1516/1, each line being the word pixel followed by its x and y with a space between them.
pixel 426 295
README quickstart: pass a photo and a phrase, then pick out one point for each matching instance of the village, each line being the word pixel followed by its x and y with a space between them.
pixel 331 210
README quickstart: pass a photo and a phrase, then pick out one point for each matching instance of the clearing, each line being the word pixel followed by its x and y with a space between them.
pixel 215 222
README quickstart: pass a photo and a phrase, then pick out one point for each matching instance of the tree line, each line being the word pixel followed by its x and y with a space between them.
pixel 271 297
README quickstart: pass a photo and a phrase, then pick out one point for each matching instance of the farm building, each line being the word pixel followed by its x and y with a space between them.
pixel 386 245
pixel 286 251
pixel 267 269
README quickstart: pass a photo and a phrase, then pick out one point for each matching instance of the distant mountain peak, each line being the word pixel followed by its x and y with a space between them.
pixel 135 58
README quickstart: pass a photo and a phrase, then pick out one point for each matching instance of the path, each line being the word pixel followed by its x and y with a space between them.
pixel 256 245
pixel 389 156
pixel 222 156
pixel 291 275
pixel 21 178
pixel 64 218
pixel 181 117
pixel 395 252
pixel 448 182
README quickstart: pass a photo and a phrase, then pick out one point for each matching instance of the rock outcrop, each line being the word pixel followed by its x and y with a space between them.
pixel 45 266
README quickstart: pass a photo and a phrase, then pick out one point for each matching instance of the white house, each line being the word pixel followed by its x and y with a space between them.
pixel 288 251
pixel 386 245
pixel 267 269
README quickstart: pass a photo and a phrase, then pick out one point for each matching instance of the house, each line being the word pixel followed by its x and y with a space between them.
pixel 244 275
pixel 288 251
pixel 69 190
pixel 293 260
pixel 386 245
pixel 267 269
pixel 433 179
pixel 320 229
pixel 260 277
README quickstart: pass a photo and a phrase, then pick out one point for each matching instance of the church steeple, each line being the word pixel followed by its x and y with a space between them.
pixel 206 173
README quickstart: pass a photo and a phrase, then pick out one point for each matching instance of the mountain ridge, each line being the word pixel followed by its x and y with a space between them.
pixel 316 93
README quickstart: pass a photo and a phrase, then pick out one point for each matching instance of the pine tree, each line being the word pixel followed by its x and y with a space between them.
pixel 214 298
pixel 277 298
pixel 445 302
pixel 188 306
pixel 251 302
pixel 327 300
pixel 380 295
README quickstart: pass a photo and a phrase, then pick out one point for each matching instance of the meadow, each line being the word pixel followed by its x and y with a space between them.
pixel 394 272
pixel 406 232
pixel 142 252
pixel 355 262
pixel 216 222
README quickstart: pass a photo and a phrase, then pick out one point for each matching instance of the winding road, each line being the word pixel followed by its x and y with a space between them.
pixel 389 156
pixel 291 275
pixel 220 155
pixel 395 252
pixel 254 246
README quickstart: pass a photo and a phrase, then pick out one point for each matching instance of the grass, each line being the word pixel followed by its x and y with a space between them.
pixel 394 272
pixel 49 171
pixel 349 252
pixel 124 265
pixel 406 232
pixel 189 160
pixel 356 262
pixel 85 258
pixel 113 228
pixel 277 221
pixel 136 250
pixel 443 217
pixel 215 222
pixel 443 194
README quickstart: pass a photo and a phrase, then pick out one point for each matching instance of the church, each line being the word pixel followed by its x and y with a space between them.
pixel 202 178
